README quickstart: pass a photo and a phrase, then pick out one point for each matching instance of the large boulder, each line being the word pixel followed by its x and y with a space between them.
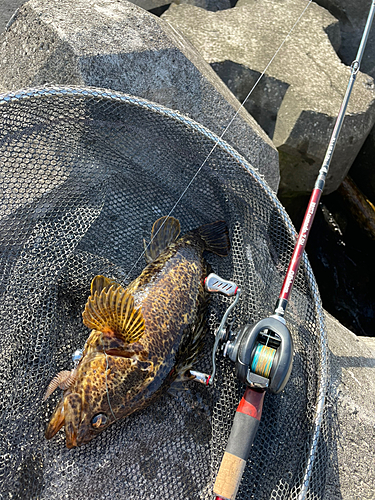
pixel 352 16
pixel 299 98
pixel 213 5
pixel 363 168
pixel 117 45
pixel 351 404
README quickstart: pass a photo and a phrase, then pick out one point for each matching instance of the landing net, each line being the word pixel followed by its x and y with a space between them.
pixel 84 174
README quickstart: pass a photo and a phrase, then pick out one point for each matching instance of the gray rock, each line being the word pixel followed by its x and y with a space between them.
pixel 352 16
pixel 117 45
pixel 299 99
pixel 213 5
pixel 363 171
pixel 7 9
pixel 351 472
pixel 150 4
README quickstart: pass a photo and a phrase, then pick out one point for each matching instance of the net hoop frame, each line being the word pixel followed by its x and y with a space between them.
pixel 113 97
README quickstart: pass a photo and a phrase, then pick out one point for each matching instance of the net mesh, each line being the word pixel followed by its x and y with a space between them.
pixel 84 174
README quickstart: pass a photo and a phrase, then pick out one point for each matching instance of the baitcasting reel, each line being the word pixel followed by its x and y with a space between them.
pixel 263 356
pixel 262 353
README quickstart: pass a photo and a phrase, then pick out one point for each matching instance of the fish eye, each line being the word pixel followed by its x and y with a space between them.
pixel 99 421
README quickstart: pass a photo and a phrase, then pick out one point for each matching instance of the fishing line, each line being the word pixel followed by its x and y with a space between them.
pixel 268 353
pixel 221 136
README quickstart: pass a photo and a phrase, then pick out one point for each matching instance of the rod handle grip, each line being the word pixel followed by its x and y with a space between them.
pixel 229 476
pixel 244 428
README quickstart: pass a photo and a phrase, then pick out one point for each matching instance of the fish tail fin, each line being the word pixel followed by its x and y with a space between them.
pixel 215 237
pixel 164 232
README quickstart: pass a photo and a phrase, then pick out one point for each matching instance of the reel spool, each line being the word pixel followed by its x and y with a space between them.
pixel 262 360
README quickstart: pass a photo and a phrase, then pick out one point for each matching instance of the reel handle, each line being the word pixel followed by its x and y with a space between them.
pixel 213 283
pixel 244 429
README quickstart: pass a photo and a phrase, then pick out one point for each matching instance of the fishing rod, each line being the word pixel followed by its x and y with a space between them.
pixel 263 353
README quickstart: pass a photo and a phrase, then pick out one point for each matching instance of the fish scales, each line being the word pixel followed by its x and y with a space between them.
pixel 134 352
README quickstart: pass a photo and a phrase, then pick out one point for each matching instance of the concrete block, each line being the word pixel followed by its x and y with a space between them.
pixel 352 16
pixel 351 402
pixel 298 101
pixel 212 5
pixel 363 171
pixel 117 45
pixel 370 343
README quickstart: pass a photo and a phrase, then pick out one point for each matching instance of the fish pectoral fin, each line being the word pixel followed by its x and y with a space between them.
pixel 112 312
pixel 100 283
pixel 188 353
pixel 57 420
pixel 178 383
pixel 164 232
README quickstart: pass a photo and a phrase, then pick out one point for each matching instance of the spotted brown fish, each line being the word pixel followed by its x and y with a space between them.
pixel 144 338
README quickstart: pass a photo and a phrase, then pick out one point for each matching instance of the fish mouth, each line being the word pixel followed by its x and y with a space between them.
pixel 67 414
pixel 70 435
pixel 56 422
pixel 72 409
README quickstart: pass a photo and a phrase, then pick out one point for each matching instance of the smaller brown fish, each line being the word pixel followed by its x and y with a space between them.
pixel 143 338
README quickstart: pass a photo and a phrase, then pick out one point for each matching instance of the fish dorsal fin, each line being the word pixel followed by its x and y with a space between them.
pixel 100 282
pixel 112 312
pixel 164 232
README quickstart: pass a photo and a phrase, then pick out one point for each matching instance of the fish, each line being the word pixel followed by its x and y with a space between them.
pixel 144 338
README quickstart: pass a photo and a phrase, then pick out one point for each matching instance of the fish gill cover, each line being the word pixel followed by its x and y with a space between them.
pixel 84 175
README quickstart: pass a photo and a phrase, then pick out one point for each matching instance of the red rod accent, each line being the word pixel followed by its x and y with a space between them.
pixel 252 403
pixel 301 244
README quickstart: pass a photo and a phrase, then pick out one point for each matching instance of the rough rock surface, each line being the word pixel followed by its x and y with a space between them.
pixel 370 342
pixel 363 171
pixel 351 472
pixel 301 95
pixel 7 9
pixel 212 5
pixel 352 16
pixel 117 45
